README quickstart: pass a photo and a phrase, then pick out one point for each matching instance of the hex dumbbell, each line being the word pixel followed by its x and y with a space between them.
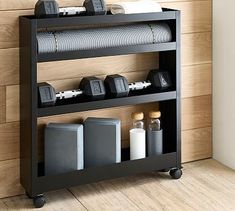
pixel 117 85
pixel 50 8
pixel 91 87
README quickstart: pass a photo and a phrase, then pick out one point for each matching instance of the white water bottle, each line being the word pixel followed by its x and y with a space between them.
pixel 137 137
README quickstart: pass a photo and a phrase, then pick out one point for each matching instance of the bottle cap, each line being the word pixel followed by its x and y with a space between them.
pixel 137 116
pixel 154 114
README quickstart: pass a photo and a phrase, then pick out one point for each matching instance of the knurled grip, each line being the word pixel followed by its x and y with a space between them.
pixel 68 94
pixel 64 11
pixel 139 85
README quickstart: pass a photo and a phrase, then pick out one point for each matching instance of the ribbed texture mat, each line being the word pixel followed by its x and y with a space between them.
pixel 86 39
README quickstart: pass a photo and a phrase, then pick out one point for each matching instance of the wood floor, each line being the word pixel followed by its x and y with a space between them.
pixel 206 185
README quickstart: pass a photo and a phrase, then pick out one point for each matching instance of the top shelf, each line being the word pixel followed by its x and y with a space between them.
pixel 167 14
pixel 34 24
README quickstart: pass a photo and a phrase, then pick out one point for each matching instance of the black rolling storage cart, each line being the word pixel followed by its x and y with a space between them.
pixel 32 176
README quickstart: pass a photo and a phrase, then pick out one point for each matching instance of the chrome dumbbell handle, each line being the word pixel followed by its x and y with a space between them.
pixel 139 85
pixel 65 11
pixel 68 94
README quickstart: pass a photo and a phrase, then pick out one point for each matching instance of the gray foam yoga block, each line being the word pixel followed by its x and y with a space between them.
pixel 102 141
pixel 64 151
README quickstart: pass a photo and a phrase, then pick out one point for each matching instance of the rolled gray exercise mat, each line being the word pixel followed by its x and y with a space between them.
pixel 95 38
pixel 46 42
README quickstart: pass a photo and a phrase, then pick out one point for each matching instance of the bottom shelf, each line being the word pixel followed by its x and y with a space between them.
pixel 46 183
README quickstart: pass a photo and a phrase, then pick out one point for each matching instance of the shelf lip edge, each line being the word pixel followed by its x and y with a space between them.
pixel 167 14
pixel 102 52
pixel 108 103
pixel 116 170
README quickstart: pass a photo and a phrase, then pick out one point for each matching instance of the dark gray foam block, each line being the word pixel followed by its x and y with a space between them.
pixel 102 141
pixel 63 148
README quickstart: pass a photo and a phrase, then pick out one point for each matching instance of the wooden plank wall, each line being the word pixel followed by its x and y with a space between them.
pixel 196 81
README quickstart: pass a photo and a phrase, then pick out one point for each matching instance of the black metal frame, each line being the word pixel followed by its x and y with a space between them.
pixel 169 57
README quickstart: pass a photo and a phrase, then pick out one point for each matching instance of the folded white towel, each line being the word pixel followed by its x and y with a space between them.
pixel 143 6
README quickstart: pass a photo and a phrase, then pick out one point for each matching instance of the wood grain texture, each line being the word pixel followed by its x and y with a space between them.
pixel 9 141
pixel 9 178
pixel 207 179
pixel 105 197
pixel 196 144
pixel 57 200
pixel 9 66
pixel 196 16
pixel 12 103
pixel 137 189
pixel 2 104
pixel 2 206
pixel 196 48
pixel 196 112
pixel 196 80
pixel 9 24
pixel 205 185
pixel 96 66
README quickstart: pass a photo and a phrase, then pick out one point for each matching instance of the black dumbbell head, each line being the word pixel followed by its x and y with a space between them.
pixel 46 95
pixel 46 9
pixel 159 79
pixel 93 88
pixel 95 7
pixel 116 86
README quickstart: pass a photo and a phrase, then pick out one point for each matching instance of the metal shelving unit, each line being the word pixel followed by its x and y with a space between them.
pixel 31 176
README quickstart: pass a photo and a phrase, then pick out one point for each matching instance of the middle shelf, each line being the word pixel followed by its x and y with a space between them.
pixel 107 103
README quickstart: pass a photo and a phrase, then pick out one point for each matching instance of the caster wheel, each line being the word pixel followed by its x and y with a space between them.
pixel 176 173
pixel 39 201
